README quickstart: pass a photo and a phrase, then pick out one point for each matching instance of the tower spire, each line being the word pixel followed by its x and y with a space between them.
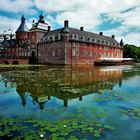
pixel 22 27
pixel 121 42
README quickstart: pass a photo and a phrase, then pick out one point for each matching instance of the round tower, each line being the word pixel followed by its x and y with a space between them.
pixel 22 31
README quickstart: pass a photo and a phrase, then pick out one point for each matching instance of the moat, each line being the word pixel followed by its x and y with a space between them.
pixel 70 103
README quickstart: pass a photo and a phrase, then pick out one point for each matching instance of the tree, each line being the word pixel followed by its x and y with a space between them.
pixel 131 51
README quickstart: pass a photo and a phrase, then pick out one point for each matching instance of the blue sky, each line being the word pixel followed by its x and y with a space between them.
pixel 119 17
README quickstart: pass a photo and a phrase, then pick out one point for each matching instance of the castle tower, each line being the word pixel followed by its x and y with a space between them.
pixel 22 40
pixel 36 33
pixel 22 31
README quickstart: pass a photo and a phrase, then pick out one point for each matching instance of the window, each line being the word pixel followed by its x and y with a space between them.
pixel 103 41
pixel 53 38
pixel 77 52
pixel 56 38
pixel 59 36
pixel 90 53
pixel 105 54
pixel 99 41
pixel 77 44
pixel 33 37
pixel 73 52
pixel 53 53
pixel 84 53
pixel 39 54
pixel 25 53
pixel 94 54
pixel 22 54
pixel 72 36
pixel 76 37
pixel 94 40
pixel 73 44
pixel 33 46
pixel 107 42
pixel 28 53
pixel 89 39
pixel 106 48
pixel 59 52
pixel 82 38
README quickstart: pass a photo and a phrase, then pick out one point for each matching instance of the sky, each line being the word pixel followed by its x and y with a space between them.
pixel 112 17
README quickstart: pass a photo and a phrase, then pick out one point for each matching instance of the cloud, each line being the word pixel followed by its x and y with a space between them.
pixel 14 24
pixel 83 13
pixel 88 13
pixel 132 38
pixel 16 6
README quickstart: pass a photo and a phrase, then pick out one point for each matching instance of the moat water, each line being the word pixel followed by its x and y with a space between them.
pixel 70 103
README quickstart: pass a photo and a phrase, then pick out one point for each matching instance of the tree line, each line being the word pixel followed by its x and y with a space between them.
pixel 131 51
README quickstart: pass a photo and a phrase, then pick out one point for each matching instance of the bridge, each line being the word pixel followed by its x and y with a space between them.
pixel 13 61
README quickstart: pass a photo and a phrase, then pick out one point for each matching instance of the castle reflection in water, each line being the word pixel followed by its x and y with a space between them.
pixel 64 83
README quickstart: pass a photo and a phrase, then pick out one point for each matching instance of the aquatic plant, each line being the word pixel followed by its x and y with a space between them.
pixel 72 128
pixel 132 112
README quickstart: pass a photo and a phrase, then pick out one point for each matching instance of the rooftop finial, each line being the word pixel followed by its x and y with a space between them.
pixel 22 18
pixel 41 18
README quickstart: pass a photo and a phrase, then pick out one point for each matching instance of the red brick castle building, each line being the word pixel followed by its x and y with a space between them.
pixel 65 45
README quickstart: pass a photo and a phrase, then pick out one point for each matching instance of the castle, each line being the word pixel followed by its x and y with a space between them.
pixel 64 46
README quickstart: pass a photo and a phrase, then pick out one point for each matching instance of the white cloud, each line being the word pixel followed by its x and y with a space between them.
pixel 132 38
pixel 82 13
pixel 7 23
pixel 16 6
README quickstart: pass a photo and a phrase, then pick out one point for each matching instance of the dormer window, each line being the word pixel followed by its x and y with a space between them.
pixel 114 43
pixel 107 42
pixel 59 36
pixel 72 36
pixel 53 38
pixel 99 41
pixel 103 41
pixel 94 40
pixel 76 37
pixel 82 38
pixel 56 37
pixel 89 39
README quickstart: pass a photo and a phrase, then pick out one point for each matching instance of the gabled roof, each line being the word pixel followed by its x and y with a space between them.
pixel 23 27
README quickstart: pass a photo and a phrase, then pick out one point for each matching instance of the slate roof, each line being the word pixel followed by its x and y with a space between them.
pixel 90 37
pixel 9 43
pixel 22 27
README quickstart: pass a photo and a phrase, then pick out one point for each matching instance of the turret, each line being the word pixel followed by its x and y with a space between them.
pixel 121 43
pixel 66 31
pixel 22 31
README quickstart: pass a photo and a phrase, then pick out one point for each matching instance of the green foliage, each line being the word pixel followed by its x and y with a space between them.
pixel 131 51
pixel 30 129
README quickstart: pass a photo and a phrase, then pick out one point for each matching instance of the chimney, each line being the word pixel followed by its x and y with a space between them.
pixel 101 33
pixel 113 36
pixel 66 23
pixel 49 28
pixel 82 28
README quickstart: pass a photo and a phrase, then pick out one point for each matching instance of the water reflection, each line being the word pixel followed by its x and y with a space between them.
pixel 64 83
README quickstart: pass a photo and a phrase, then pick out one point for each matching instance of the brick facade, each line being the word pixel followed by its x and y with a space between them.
pixel 60 47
